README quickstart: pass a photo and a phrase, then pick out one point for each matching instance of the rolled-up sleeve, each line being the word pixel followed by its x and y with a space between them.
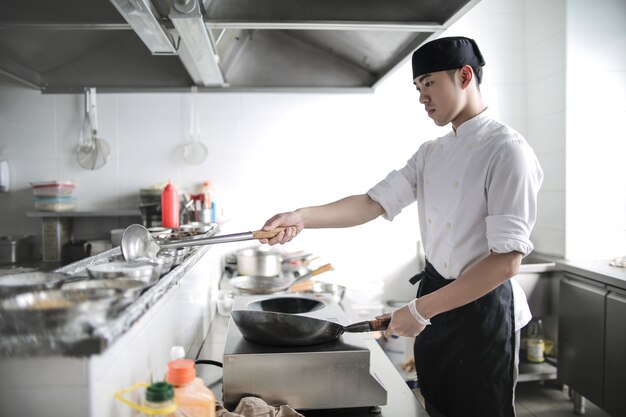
pixel 393 194
pixel 513 182
pixel 397 190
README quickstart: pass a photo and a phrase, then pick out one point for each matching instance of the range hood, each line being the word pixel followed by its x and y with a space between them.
pixel 63 46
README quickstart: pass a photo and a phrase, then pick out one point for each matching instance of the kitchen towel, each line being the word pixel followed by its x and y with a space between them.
pixel 255 407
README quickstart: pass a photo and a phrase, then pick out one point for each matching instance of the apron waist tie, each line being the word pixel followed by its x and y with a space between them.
pixel 429 271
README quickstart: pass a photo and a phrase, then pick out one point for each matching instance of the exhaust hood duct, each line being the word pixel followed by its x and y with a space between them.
pixel 199 56
pixel 141 16
pixel 63 46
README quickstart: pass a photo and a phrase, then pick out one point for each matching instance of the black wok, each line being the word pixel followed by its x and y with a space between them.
pixel 280 329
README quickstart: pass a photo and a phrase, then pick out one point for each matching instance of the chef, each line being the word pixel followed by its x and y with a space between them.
pixel 476 191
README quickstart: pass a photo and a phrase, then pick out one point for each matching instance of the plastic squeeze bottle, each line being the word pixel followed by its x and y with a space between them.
pixel 159 399
pixel 194 399
pixel 170 216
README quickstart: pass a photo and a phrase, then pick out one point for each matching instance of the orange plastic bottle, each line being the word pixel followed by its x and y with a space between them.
pixel 194 399
pixel 170 216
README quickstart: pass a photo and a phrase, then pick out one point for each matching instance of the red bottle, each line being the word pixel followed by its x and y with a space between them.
pixel 170 216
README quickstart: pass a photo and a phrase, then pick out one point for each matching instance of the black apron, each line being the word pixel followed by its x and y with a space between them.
pixel 465 359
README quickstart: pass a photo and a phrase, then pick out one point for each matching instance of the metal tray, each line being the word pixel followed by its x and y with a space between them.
pixel 58 311
pixel 11 284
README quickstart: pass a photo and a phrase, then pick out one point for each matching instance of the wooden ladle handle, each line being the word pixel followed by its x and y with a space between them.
pixel 267 234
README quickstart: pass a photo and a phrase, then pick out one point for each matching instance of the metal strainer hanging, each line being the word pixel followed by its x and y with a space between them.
pixel 194 152
pixel 92 152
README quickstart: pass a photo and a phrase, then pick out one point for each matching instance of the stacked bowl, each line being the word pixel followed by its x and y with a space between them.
pixel 54 195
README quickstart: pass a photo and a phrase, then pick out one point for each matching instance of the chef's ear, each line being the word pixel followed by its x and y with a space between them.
pixel 467 76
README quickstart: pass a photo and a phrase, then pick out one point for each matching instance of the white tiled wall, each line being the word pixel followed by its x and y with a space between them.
pixel 576 58
pixel 596 92
pixel 546 72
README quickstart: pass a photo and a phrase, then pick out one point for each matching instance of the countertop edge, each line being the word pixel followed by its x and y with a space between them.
pixel 599 271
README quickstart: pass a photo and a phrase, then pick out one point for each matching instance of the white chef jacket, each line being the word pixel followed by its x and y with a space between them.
pixel 476 190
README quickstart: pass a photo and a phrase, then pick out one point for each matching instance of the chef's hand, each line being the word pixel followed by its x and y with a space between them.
pixel 406 321
pixel 291 221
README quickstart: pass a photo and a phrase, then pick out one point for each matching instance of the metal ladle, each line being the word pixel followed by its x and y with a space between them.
pixel 137 242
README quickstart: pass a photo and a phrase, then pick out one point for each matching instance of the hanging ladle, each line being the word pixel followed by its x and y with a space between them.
pixel 137 241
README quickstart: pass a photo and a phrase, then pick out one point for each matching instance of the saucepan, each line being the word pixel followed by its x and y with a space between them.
pixel 281 329
pixel 137 242
pixel 259 262
pixel 262 261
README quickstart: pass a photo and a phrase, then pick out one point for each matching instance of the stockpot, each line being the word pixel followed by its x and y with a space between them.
pixel 259 262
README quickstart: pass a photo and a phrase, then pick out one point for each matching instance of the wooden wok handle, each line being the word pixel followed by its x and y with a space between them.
pixel 368 326
pixel 267 234
pixel 379 325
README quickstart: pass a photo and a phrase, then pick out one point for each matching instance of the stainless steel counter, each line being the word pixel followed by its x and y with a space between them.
pixel 400 401
pixel 100 338
pixel 596 270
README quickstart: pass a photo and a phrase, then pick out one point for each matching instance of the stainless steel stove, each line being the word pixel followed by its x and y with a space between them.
pixel 326 376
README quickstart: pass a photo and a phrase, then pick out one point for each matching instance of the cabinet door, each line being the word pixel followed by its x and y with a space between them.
pixel 615 372
pixel 581 337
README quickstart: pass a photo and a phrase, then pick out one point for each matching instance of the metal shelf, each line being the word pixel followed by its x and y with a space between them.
pixel 536 372
pixel 101 213
pixel 56 227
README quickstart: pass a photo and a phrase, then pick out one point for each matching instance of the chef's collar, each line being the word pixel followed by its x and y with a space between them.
pixel 472 124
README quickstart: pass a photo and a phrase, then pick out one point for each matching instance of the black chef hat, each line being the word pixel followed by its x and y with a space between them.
pixel 446 54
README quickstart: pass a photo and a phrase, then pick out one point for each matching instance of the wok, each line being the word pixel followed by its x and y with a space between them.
pixel 280 329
